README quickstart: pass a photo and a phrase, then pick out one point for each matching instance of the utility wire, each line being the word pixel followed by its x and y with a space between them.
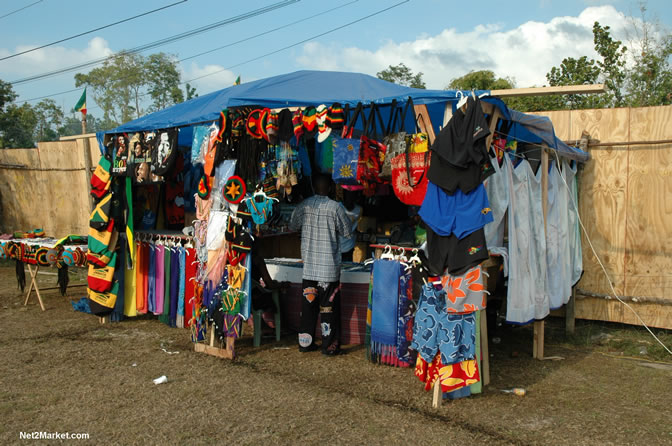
pixel 215 49
pixel 316 36
pixel 284 48
pixel 269 31
pixel 20 9
pixel 161 42
pixel 93 30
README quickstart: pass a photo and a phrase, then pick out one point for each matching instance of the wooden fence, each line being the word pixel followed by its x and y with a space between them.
pixel 46 187
pixel 625 202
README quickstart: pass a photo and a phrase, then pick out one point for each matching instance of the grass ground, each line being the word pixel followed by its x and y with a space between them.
pixel 62 371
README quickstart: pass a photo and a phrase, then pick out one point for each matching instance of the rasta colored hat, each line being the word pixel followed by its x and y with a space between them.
pixel 204 187
pixel 272 126
pixel 297 122
pixel 310 122
pixel 253 124
pixel 234 190
pixel 237 122
pixel 256 123
pixel 336 116
pixel 323 130
pixel 285 127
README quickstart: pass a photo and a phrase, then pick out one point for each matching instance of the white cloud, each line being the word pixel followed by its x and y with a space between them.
pixel 525 53
pixel 51 58
pixel 216 77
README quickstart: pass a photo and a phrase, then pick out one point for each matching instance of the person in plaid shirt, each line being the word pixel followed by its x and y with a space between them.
pixel 322 222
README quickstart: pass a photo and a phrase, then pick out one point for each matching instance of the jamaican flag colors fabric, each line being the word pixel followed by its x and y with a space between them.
pixel 102 304
pixel 100 279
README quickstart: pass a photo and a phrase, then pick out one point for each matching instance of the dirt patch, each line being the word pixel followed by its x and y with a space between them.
pixel 64 372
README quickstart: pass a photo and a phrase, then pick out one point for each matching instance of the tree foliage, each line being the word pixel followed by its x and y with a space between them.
pixel 480 80
pixel 402 75
pixel 49 119
pixel 649 81
pixel 121 84
pixel 16 122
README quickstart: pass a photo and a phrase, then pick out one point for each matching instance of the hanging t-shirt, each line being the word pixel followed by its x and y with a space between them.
pixel 460 157
pixel 558 262
pixel 165 152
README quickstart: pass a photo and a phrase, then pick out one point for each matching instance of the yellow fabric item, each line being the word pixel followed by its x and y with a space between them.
pixel 130 309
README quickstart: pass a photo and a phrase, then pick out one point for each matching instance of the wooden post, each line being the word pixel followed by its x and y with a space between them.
pixel 485 369
pixel 538 343
pixel 437 396
pixel 33 283
pixel 424 122
pixel 570 314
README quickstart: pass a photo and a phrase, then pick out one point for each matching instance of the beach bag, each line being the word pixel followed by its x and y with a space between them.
pixel 346 151
pixel 371 154
pixel 409 176
pixel 418 141
pixel 395 138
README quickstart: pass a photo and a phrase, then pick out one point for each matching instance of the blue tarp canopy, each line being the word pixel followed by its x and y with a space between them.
pixel 304 88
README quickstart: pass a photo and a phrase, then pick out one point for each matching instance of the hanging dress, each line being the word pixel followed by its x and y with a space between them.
pixel 558 284
pixel 527 298
pixel 576 255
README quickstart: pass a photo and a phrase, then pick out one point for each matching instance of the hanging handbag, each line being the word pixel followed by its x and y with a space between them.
pixel 396 137
pixel 409 176
pixel 419 141
pixel 346 151
pixel 371 153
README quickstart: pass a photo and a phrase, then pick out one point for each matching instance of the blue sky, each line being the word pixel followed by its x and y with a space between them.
pixel 443 39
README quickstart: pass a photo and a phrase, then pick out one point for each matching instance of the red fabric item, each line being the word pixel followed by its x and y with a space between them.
pixel 418 163
pixel 141 283
pixel 370 163
pixel 190 273
pixel 452 376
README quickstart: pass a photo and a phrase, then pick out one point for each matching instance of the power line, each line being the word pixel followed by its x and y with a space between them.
pixel 268 32
pixel 380 11
pixel 93 30
pixel 20 9
pixel 301 42
pixel 218 48
pixel 278 50
pixel 163 41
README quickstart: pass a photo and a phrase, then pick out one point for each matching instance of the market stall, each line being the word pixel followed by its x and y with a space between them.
pixel 213 181
pixel 36 251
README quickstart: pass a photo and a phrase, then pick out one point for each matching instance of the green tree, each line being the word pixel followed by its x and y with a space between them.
pixel 480 80
pixel 612 66
pixel 402 75
pixel 190 91
pixel 649 81
pixel 124 80
pixel 49 120
pixel 72 125
pixel 17 130
pixel 163 80
pixel 16 122
pixel 116 86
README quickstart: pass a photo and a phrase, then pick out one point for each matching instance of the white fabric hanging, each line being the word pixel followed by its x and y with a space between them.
pixel 574 235
pixel 497 187
pixel 558 259
pixel 527 297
